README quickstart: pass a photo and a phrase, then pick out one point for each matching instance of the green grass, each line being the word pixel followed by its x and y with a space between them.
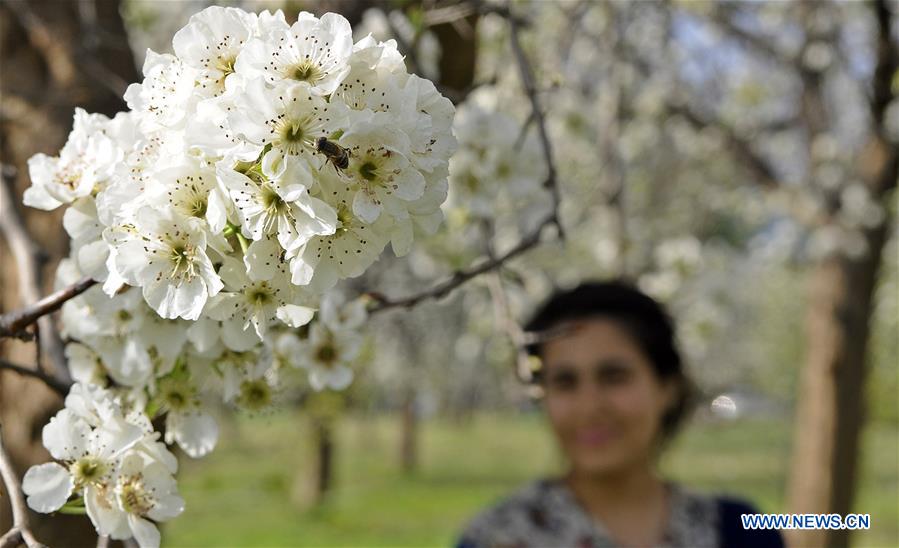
pixel 255 489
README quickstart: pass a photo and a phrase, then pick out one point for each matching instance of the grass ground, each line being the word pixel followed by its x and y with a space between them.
pixel 254 490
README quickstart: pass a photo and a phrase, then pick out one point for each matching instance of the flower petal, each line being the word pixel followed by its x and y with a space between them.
pixel 65 436
pixel 295 315
pixel 48 487
pixel 145 533
pixel 365 207
pixel 196 433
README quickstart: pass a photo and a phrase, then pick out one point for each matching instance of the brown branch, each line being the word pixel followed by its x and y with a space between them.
pixel 527 81
pixel 14 323
pixel 887 65
pixel 460 277
pixel 762 172
pixel 20 531
pixel 29 260
pixel 58 386
pixel 722 18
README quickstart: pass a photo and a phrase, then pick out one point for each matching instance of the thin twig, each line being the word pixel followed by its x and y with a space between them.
pixel 60 387
pixel 762 172
pixel 527 80
pixel 20 531
pixel 507 322
pixel 460 277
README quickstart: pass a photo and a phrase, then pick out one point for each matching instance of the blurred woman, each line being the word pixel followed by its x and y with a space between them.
pixel 615 392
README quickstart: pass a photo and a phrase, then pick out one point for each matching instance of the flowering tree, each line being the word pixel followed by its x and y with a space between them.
pixel 275 160
pixel 257 166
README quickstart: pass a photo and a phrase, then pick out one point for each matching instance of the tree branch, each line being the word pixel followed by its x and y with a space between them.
pixel 762 172
pixel 722 18
pixel 58 386
pixel 507 323
pixel 460 277
pixel 887 65
pixel 20 531
pixel 29 259
pixel 527 81
pixel 13 323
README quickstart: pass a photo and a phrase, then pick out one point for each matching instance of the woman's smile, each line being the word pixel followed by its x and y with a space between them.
pixel 596 436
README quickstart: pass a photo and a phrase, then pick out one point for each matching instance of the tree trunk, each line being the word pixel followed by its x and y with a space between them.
pixel 831 406
pixel 409 434
pixel 324 444
pixel 51 60
pixel 830 414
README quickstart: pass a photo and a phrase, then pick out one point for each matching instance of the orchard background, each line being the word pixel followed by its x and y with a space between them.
pixel 736 160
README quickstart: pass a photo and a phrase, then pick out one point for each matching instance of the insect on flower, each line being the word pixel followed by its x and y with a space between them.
pixel 338 156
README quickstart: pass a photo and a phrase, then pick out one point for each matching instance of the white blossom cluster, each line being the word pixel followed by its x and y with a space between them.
pixel 499 162
pixel 256 166
pixel 496 179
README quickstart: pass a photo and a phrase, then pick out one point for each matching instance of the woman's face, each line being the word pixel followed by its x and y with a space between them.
pixel 604 400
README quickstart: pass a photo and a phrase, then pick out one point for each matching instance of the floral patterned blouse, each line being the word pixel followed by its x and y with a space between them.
pixel 546 513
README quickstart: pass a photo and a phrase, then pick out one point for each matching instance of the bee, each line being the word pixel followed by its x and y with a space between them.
pixel 338 156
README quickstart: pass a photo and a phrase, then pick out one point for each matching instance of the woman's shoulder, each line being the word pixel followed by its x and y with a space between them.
pixel 706 519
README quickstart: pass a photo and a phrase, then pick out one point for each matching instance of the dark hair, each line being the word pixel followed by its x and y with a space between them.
pixel 644 319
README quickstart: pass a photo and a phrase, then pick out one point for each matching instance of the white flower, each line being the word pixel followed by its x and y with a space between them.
pixel 248 303
pixel 338 315
pixel 90 458
pixel 286 350
pixel 376 73
pixel 120 200
pixel 314 51
pixel 93 404
pixel 186 422
pixel 380 172
pixel 211 42
pixel 126 359
pixel 427 118
pixel 232 366
pixel 163 98
pixel 276 200
pixel 353 247
pixel 189 187
pixel 87 246
pixel 144 490
pixel 85 365
pixel 246 377
pixel 289 118
pixel 327 354
pixel 85 162
pixel 169 263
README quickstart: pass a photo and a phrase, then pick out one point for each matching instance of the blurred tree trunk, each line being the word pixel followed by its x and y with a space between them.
pixel 831 407
pixel 409 433
pixel 53 56
pixel 324 450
